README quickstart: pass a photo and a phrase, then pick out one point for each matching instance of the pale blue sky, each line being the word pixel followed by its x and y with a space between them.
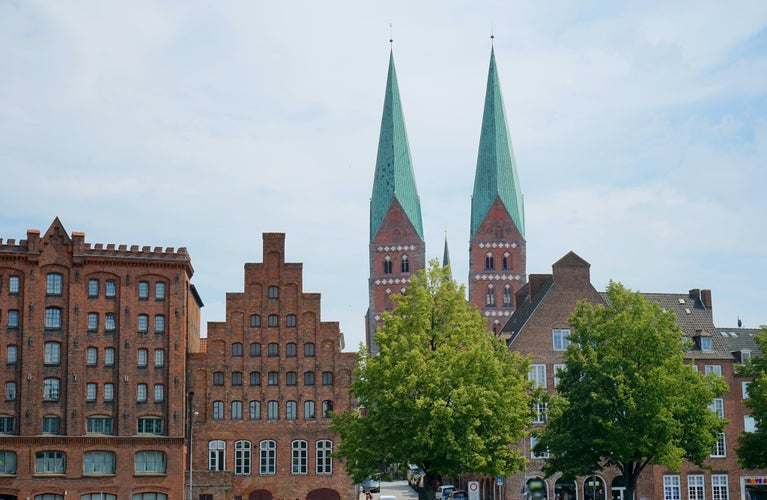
pixel 638 127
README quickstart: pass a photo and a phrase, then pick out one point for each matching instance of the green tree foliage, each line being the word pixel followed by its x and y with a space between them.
pixel 626 398
pixel 443 393
pixel 752 446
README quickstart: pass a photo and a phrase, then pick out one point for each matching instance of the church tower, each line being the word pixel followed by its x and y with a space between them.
pixel 497 260
pixel 397 248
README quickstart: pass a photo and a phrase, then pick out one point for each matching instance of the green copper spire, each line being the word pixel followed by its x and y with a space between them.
pixel 394 176
pixel 496 174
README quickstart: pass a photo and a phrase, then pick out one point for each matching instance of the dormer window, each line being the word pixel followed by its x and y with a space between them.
pixel 706 344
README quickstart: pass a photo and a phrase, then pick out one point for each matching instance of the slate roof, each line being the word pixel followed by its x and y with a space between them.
pixel 740 339
pixel 525 310
pixel 496 174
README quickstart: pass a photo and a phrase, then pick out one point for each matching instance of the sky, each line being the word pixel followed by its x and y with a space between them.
pixel 639 130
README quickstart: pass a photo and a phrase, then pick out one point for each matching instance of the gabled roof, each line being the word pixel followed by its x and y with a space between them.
pixel 394 176
pixel 525 310
pixel 571 259
pixel 496 174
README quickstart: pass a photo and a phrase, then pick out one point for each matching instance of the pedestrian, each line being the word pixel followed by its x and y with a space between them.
pixel 368 495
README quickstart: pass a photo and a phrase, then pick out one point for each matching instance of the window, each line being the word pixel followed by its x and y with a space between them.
pixel 143 290
pixel 93 322
pixel 255 321
pixel 150 462
pixel 274 292
pixel 404 264
pixel 327 378
pixel 717 369
pixel 143 356
pixel 51 389
pixel 254 410
pixel 109 356
pixel 309 350
pixel 93 288
pixel 324 458
pixel 98 462
pixel 90 392
pixel 490 296
pixel 720 448
pixel 218 378
pixel 290 321
pixel 110 288
pixel 558 369
pixel 717 406
pixel 255 350
pixel 255 378
pixel 91 356
pixel 273 378
pixel 7 424
pixel 533 454
pixel 273 320
pixel 540 413
pixel 561 338
pixel 141 393
pixel 159 393
pixel 268 458
pixel 273 350
pixel 13 285
pixel 50 462
pixel 106 496
pixel 237 350
pixel 13 318
pixel 10 391
pixel 537 375
pixel 489 261
pixel 309 410
pixel 159 324
pixel 236 378
pixel 216 455
pixel 99 425
pixel 109 322
pixel 719 489
pixel 51 424
pixel 387 265
pixel 159 291
pixel 143 322
pixel 290 350
pixel 156 496
pixel 150 425
pixel 273 410
pixel 299 457
pixel 7 462
pixel 290 378
pixel 218 410
pixel 109 392
pixel 706 344
pixel 52 317
pixel 506 261
pixel 744 389
pixel 236 410
pixel 159 358
pixel 327 408
pixel 308 378
pixel 508 301
pixel 242 458
pixel 11 354
pixel 671 488
pixel 53 284
pixel 291 410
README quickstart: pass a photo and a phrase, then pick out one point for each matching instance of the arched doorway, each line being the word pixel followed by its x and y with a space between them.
pixel 564 490
pixel 260 495
pixel 593 488
pixel 619 488
pixel 535 488
pixel 323 494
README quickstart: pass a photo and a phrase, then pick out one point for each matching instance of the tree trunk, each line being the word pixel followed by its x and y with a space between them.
pixel 429 490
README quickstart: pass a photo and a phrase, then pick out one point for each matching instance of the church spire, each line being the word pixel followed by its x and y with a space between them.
pixel 394 177
pixel 446 259
pixel 496 174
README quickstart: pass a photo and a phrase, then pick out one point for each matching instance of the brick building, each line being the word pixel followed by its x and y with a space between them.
pixel 94 339
pixel 540 328
pixel 262 388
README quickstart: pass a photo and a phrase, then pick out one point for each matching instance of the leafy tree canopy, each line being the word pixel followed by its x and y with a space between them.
pixel 443 393
pixel 752 446
pixel 626 397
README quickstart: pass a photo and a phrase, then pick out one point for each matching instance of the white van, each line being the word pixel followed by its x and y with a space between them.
pixel 443 491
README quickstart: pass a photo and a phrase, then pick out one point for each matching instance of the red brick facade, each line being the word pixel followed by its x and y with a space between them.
pixel 94 339
pixel 262 391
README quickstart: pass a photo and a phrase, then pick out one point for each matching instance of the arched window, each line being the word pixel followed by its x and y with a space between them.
pixel 324 457
pixel 290 350
pixel 218 378
pixel 236 378
pixel 308 378
pixel 216 454
pixel 268 457
pixel 254 410
pixel 273 378
pixel 218 410
pixel 327 378
pixel 309 350
pixel 273 350
pixel 490 298
pixel 255 350
pixel 387 265
pixel 309 410
pixel 273 320
pixel 98 462
pixel 299 457
pixel 52 317
pixel 290 321
pixel 274 292
pixel 237 350
pixel 291 410
pixel 255 321
pixel 405 264
pixel 150 461
pixel 327 408
pixel 489 261
pixel 273 410
pixel 242 458
pixel 507 261
pixel 255 378
pixel 507 296
pixel 290 378
pixel 236 410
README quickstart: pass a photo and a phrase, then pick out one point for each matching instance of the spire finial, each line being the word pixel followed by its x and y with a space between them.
pixel 492 35
pixel 391 36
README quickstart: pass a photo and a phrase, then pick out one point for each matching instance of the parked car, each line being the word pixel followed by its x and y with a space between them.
pixel 387 497
pixel 371 484
pixel 444 490
pixel 458 495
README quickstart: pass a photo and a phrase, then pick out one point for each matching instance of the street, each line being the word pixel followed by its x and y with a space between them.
pixel 399 489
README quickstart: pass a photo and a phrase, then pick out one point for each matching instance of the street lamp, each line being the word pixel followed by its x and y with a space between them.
pixel 191 448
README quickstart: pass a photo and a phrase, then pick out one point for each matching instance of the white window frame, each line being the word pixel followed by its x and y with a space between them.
pixel 299 457
pixel 242 454
pixel 323 457
pixel 560 338
pixel 217 455
pixel 537 375
pixel 267 463
pixel 672 489
pixel 719 487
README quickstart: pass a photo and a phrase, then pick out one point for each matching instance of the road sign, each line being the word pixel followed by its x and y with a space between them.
pixel 473 488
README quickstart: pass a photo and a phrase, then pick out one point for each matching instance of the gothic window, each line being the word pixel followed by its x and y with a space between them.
pixel 506 261
pixel 490 298
pixel 387 265
pixel 489 261
pixel 405 264
pixel 507 296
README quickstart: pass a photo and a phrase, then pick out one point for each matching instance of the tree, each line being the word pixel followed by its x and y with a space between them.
pixel 626 398
pixel 443 393
pixel 752 446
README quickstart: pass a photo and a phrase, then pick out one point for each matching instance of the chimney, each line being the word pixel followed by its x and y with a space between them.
pixel 695 294
pixel 705 297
